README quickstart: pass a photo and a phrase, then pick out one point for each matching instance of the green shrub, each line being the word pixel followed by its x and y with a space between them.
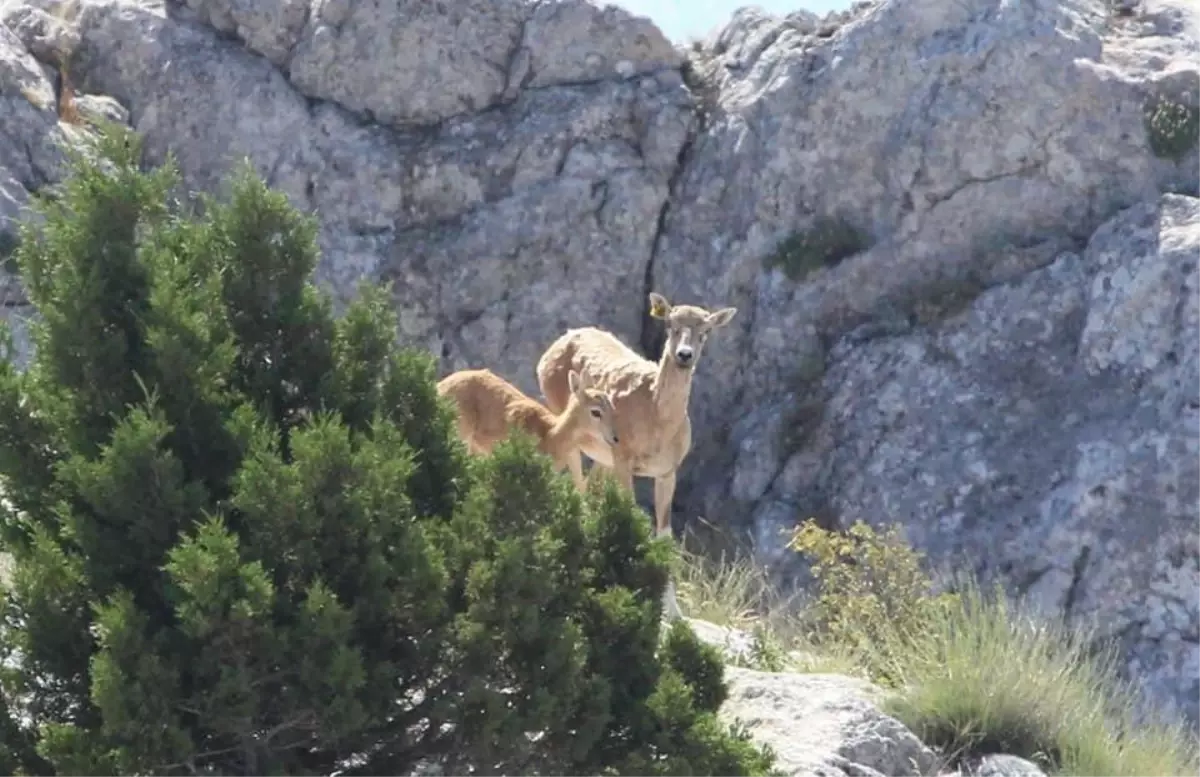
pixel 824 244
pixel 872 596
pixel 246 539
pixel 1172 128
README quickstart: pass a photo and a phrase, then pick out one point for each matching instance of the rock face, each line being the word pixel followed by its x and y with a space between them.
pixel 943 133
pixel 1048 434
pixel 512 183
pixel 1000 351
pixel 30 138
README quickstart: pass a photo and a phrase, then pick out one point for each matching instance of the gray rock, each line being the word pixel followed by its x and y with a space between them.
pixel 29 127
pixel 416 62
pixel 467 218
pixel 270 27
pixel 995 138
pixel 31 141
pixel 49 37
pixel 826 725
pixel 573 42
pixel 1005 766
pixel 409 61
pixel 735 645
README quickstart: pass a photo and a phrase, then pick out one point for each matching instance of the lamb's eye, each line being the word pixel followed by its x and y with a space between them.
pixel 596 412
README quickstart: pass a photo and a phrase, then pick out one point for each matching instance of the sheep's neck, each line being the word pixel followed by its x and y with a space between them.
pixel 564 425
pixel 672 390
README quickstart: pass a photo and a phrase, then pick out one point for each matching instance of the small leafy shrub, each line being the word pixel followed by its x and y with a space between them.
pixel 981 677
pixel 872 596
pixel 246 539
pixel 1172 127
pixel 767 654
pixel 824 244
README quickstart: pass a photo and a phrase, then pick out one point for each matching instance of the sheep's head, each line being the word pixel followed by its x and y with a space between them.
pixel 598 404
pixel 688 328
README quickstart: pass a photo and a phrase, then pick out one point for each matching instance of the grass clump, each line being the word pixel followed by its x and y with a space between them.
pixel 824 244
pixel 984 678
pixel 1172 127
pixel 971 675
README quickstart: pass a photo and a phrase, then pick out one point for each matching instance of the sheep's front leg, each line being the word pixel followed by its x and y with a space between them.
pixel 622 472
pixel 664 492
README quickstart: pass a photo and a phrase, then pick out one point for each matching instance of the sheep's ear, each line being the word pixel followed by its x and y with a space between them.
pixel 574 381
pixel 659 307
pixel 721 317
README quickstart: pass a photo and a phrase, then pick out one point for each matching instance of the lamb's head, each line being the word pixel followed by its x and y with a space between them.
pixel 688 328
pixel 601 419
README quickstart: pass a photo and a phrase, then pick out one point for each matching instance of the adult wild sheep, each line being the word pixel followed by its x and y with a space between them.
pixel 651 400
pixel 488 406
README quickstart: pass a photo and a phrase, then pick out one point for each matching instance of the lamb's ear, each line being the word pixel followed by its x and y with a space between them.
pixel 659 307
pixel 721 317
pixel 574 381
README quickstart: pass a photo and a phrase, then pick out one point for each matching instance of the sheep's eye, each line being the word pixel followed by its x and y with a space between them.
pixel 596 412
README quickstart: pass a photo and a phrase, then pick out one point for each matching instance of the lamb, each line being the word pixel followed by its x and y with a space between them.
pixel 651 400
pixel 488 406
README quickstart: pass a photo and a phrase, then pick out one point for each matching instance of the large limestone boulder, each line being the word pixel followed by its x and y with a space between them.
pixel 824 724
pixel 831 725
